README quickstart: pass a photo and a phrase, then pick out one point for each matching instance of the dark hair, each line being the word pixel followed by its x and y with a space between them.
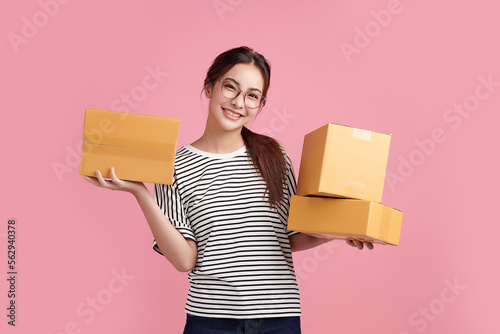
pixel 265 152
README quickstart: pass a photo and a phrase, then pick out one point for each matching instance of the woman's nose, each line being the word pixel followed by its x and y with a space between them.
pixel 239 100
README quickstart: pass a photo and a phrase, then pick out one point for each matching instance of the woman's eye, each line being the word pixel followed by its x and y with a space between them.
pixel 253 96
pixel 229 87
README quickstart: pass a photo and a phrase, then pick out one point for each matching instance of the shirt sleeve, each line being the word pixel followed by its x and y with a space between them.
pixel 170 202
pixel 290 187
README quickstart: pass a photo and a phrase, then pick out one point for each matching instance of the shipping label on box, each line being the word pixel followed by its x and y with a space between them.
pixel 341 161
pixel 337 218
pixel 139 147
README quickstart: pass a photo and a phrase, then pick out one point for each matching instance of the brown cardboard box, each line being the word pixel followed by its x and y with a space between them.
pixel 341 161
pixel 139 147
pixel 338 218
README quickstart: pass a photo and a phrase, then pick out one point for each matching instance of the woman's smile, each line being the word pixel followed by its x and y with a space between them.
pixel 231 114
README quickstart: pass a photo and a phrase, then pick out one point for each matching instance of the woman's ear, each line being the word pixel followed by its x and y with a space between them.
pixel 208 92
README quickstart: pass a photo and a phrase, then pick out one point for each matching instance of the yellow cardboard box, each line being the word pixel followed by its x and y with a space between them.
pixel 139 147
pixel 338 218
pixel 341 161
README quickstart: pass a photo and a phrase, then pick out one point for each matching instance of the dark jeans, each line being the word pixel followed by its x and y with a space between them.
pixel 203 325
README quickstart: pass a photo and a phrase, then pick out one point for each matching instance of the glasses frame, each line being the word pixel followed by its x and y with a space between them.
pixel 263 99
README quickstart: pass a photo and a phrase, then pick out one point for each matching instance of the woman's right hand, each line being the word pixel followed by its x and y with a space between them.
pixel 115 183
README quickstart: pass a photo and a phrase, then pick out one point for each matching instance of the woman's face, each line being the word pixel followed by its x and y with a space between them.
pixel 232 114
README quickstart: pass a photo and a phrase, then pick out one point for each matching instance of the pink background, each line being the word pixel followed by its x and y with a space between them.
pixel 401 76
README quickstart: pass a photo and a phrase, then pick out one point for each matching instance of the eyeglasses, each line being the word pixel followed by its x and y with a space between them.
pixel 230 90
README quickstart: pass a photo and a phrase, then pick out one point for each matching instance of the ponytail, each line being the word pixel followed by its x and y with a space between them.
pixel 269 161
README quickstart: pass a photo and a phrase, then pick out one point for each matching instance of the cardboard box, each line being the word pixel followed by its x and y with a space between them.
pixel 337 218
pixel 139 147
pixel 342 161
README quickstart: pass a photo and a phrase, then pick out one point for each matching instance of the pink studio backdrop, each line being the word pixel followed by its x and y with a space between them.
pixel 425 71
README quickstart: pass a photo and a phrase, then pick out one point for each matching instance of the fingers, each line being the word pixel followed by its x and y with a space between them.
pixel 92 180
pixel 99 181
pixel 114 183
pixel 354 243
pixel 114 178
pixel 113 175
pixel 359 244
pixel 350 242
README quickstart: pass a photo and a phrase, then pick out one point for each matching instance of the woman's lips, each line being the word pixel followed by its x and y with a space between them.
pixel 232 114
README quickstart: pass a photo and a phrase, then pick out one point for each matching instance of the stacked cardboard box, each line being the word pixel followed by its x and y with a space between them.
pixel 139 147
pixel 340 185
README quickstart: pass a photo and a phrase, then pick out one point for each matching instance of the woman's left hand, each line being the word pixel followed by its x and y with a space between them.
pixel 359 244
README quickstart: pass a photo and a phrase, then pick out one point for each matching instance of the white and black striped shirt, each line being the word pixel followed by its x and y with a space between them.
pixel 244 268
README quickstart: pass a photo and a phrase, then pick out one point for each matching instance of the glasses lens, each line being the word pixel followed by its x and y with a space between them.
pixel 253 100
pixel 229 89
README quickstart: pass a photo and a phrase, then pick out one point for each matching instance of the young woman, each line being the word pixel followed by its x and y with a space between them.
pixel 224 218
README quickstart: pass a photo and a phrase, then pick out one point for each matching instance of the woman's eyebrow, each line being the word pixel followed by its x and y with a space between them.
pixel 236 82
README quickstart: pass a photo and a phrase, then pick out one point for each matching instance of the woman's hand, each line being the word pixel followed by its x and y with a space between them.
pixel 115 183
pixel 359 244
